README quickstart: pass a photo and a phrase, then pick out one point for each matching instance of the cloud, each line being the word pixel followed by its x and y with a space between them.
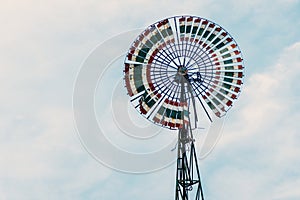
pixel 259 152
pixel 269 97
pixel 46 159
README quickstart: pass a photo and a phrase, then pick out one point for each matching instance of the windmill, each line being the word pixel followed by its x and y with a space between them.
pixel 174 66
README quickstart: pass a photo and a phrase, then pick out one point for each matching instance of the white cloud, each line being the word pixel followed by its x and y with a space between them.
pixel 50 162
pixel 259 151
pixel 269 96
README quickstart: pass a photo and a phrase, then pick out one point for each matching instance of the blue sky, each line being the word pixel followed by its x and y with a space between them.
pixel 43 45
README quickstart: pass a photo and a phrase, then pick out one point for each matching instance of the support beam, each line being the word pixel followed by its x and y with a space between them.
pixel 188 182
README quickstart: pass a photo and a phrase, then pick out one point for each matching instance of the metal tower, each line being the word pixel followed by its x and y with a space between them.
pixel 173 64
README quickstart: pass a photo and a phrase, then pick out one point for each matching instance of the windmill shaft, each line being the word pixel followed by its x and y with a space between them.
pixel 188 183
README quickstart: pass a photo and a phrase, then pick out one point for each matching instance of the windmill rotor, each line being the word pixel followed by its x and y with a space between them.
pixel 199 50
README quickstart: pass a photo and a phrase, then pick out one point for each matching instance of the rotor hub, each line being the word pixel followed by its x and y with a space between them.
pixel 182 70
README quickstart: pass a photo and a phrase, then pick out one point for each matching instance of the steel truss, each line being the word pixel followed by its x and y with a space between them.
pixel 188 182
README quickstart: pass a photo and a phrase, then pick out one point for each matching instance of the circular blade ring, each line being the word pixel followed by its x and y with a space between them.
pixel 183 53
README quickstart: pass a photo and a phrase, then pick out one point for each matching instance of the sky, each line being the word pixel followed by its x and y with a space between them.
pixel 43 45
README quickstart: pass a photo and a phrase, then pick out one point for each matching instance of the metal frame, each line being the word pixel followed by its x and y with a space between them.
pixel 187 173
pixel 188 182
